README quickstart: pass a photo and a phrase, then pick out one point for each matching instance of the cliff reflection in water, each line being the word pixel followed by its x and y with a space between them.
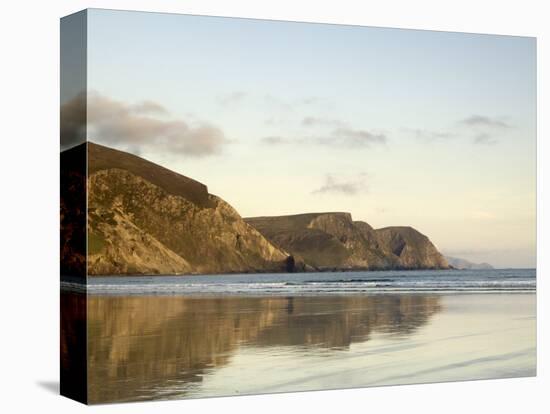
pixel 149 347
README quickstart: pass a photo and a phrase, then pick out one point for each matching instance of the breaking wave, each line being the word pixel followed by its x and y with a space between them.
pixel 508 280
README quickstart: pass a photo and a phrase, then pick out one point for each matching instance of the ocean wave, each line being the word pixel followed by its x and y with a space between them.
pixel 519 280
pixel 284 288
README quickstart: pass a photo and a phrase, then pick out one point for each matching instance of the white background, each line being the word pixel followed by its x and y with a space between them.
pixel 29 96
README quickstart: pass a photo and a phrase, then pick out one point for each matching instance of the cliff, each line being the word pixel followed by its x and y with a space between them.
pixel 145 219
pixel 412 249
pixel 334 241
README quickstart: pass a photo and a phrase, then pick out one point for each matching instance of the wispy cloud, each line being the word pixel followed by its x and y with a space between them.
pixel 427 135
pixel 485 139
pixel 485 121
pixel 352 138
pixel 342 134
pixel 339 138
pixel 349 187
pixel 143 125
pixel 311 121
pixel 292 104
pixel 232 98
pixel 483 128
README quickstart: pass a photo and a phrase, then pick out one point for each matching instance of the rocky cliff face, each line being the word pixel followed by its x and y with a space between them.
pixel 144 219
pixel 334 241
pixel 322 240
pixel 410 248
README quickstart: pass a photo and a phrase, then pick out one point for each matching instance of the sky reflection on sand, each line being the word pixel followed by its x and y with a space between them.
pixel 152 347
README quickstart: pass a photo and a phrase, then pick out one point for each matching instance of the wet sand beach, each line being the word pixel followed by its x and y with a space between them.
pixel 158 347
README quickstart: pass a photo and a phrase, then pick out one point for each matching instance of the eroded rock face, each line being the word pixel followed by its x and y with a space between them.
pixel 137 227
pixel 412 249
pixel 145 219
pixel 334 241
pixel 118 246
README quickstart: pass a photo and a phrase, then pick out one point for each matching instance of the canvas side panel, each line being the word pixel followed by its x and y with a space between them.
pixel 73 358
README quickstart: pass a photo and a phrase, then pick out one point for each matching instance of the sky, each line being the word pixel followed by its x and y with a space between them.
pixel 434 130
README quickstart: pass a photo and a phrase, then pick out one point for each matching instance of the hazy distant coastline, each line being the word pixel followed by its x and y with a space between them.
pixel 461 264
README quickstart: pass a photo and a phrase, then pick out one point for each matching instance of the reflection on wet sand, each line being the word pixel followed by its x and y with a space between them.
pixel 149 347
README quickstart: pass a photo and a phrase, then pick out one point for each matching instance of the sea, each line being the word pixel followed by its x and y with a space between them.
pixel 171 337
pixel 492 280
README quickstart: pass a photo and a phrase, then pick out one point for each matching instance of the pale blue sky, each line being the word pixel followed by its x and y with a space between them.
pixel 399 127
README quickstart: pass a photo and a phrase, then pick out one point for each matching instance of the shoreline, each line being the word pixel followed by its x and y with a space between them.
pixel 331 270
pixel 312 284
pixel 344 341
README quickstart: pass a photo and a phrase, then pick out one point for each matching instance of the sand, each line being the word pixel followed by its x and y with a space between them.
pixel 154 347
